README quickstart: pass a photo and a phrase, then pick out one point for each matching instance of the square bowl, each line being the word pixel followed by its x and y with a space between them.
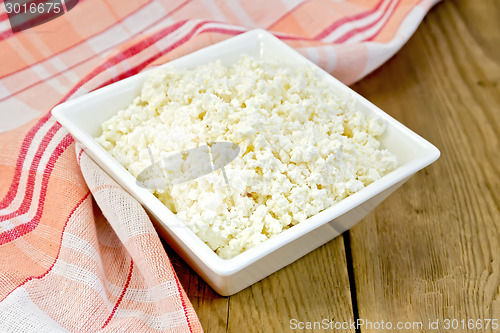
pixel 83 116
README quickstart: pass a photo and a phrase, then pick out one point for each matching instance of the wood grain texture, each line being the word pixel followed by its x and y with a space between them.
pixel 314 288
pixel 432 250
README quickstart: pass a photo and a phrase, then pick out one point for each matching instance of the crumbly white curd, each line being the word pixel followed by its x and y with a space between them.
pixel 302 148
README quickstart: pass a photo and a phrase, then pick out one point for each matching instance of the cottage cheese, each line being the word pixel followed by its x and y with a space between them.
pixel 302 147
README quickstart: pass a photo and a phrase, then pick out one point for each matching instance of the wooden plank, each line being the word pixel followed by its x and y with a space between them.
pixel 432 250
pixel 312 289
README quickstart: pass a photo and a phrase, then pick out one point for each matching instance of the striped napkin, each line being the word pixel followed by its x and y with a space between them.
pixel 77 253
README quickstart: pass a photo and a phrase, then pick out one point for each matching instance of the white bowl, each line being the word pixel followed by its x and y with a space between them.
pixel 83 116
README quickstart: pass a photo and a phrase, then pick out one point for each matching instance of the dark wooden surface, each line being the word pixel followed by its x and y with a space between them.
pixel 431 251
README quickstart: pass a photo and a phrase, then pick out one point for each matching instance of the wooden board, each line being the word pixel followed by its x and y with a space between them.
pixel 432 250
pixel 314 288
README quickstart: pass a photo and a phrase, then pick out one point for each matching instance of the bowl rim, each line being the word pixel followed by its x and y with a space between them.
pixel 227 267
